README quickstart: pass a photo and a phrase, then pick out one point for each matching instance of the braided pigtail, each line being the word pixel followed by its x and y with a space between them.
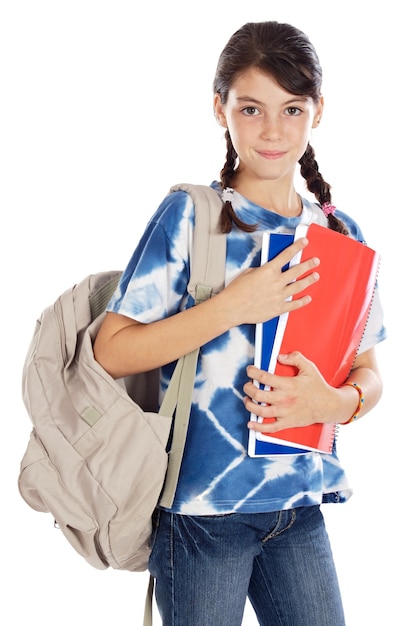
pixel 228 215
pixel 319 187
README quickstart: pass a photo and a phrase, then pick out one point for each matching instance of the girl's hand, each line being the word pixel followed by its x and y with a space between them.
pixel 291 401
pixel 123 346
pixel 259 294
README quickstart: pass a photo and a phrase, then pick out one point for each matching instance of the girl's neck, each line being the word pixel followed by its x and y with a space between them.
pixel 273 197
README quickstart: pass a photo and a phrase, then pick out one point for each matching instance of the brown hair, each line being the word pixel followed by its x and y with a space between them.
pixel 286 54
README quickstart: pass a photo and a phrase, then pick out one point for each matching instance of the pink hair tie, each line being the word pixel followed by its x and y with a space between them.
pixel 328 209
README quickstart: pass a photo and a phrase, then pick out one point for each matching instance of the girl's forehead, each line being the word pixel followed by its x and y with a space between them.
pixel 256 83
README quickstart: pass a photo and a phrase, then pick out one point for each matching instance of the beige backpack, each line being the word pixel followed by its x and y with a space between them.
pixel 96 458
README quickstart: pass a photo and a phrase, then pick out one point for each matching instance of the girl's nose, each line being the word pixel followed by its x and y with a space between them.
pixel 272 128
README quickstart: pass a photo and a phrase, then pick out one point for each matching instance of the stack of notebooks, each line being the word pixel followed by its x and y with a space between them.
pixel 327 331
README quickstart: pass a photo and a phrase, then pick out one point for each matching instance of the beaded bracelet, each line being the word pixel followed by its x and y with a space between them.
pixel 360 402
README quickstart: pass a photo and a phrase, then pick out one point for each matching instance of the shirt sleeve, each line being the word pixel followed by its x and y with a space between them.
pixel 154 283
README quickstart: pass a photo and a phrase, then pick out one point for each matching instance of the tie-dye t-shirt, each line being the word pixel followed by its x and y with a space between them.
pixel 217 475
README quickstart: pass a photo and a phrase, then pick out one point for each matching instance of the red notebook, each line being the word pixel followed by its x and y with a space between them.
pixel 329 329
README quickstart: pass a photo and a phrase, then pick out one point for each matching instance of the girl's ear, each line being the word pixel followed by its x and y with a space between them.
pixel 219 111
pixel 318 113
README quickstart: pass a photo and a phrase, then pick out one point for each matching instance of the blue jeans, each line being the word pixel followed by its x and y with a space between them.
pixel 206 566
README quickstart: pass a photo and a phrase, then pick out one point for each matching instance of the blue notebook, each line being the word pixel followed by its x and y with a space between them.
pixel 265 334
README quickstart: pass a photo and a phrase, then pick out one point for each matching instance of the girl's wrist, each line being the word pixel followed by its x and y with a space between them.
pixel 360 401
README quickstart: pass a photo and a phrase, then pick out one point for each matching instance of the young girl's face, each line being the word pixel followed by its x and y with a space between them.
pixel 269 127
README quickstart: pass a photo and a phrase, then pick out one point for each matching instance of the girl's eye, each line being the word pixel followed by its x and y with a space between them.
pixel 250 111
pixel 293 111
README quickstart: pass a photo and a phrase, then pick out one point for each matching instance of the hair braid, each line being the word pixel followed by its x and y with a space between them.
pixel 318 186
pixel 228 215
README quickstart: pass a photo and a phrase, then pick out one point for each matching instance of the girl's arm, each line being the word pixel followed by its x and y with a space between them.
pixel 307 398
pixel 123 346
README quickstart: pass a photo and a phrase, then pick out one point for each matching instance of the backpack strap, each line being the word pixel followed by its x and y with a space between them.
pixel 207 278
pixel 208 252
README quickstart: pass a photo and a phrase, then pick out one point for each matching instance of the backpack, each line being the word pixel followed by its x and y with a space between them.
pixel 96 457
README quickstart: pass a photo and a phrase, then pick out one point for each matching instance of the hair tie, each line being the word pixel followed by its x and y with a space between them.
pixel 328 209
pixel 227 194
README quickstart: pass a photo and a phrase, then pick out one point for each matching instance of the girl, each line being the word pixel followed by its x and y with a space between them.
pixel 245 527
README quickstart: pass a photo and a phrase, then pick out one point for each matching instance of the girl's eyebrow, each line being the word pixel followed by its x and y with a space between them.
pixel 245 99
pixel 248 99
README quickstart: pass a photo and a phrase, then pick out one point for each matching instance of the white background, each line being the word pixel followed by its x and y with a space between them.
pixel 104 105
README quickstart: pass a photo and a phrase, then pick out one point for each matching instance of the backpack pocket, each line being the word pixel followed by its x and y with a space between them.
pixel 41 486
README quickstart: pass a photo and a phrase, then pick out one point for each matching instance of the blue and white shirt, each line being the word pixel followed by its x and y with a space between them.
pixel 217 476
